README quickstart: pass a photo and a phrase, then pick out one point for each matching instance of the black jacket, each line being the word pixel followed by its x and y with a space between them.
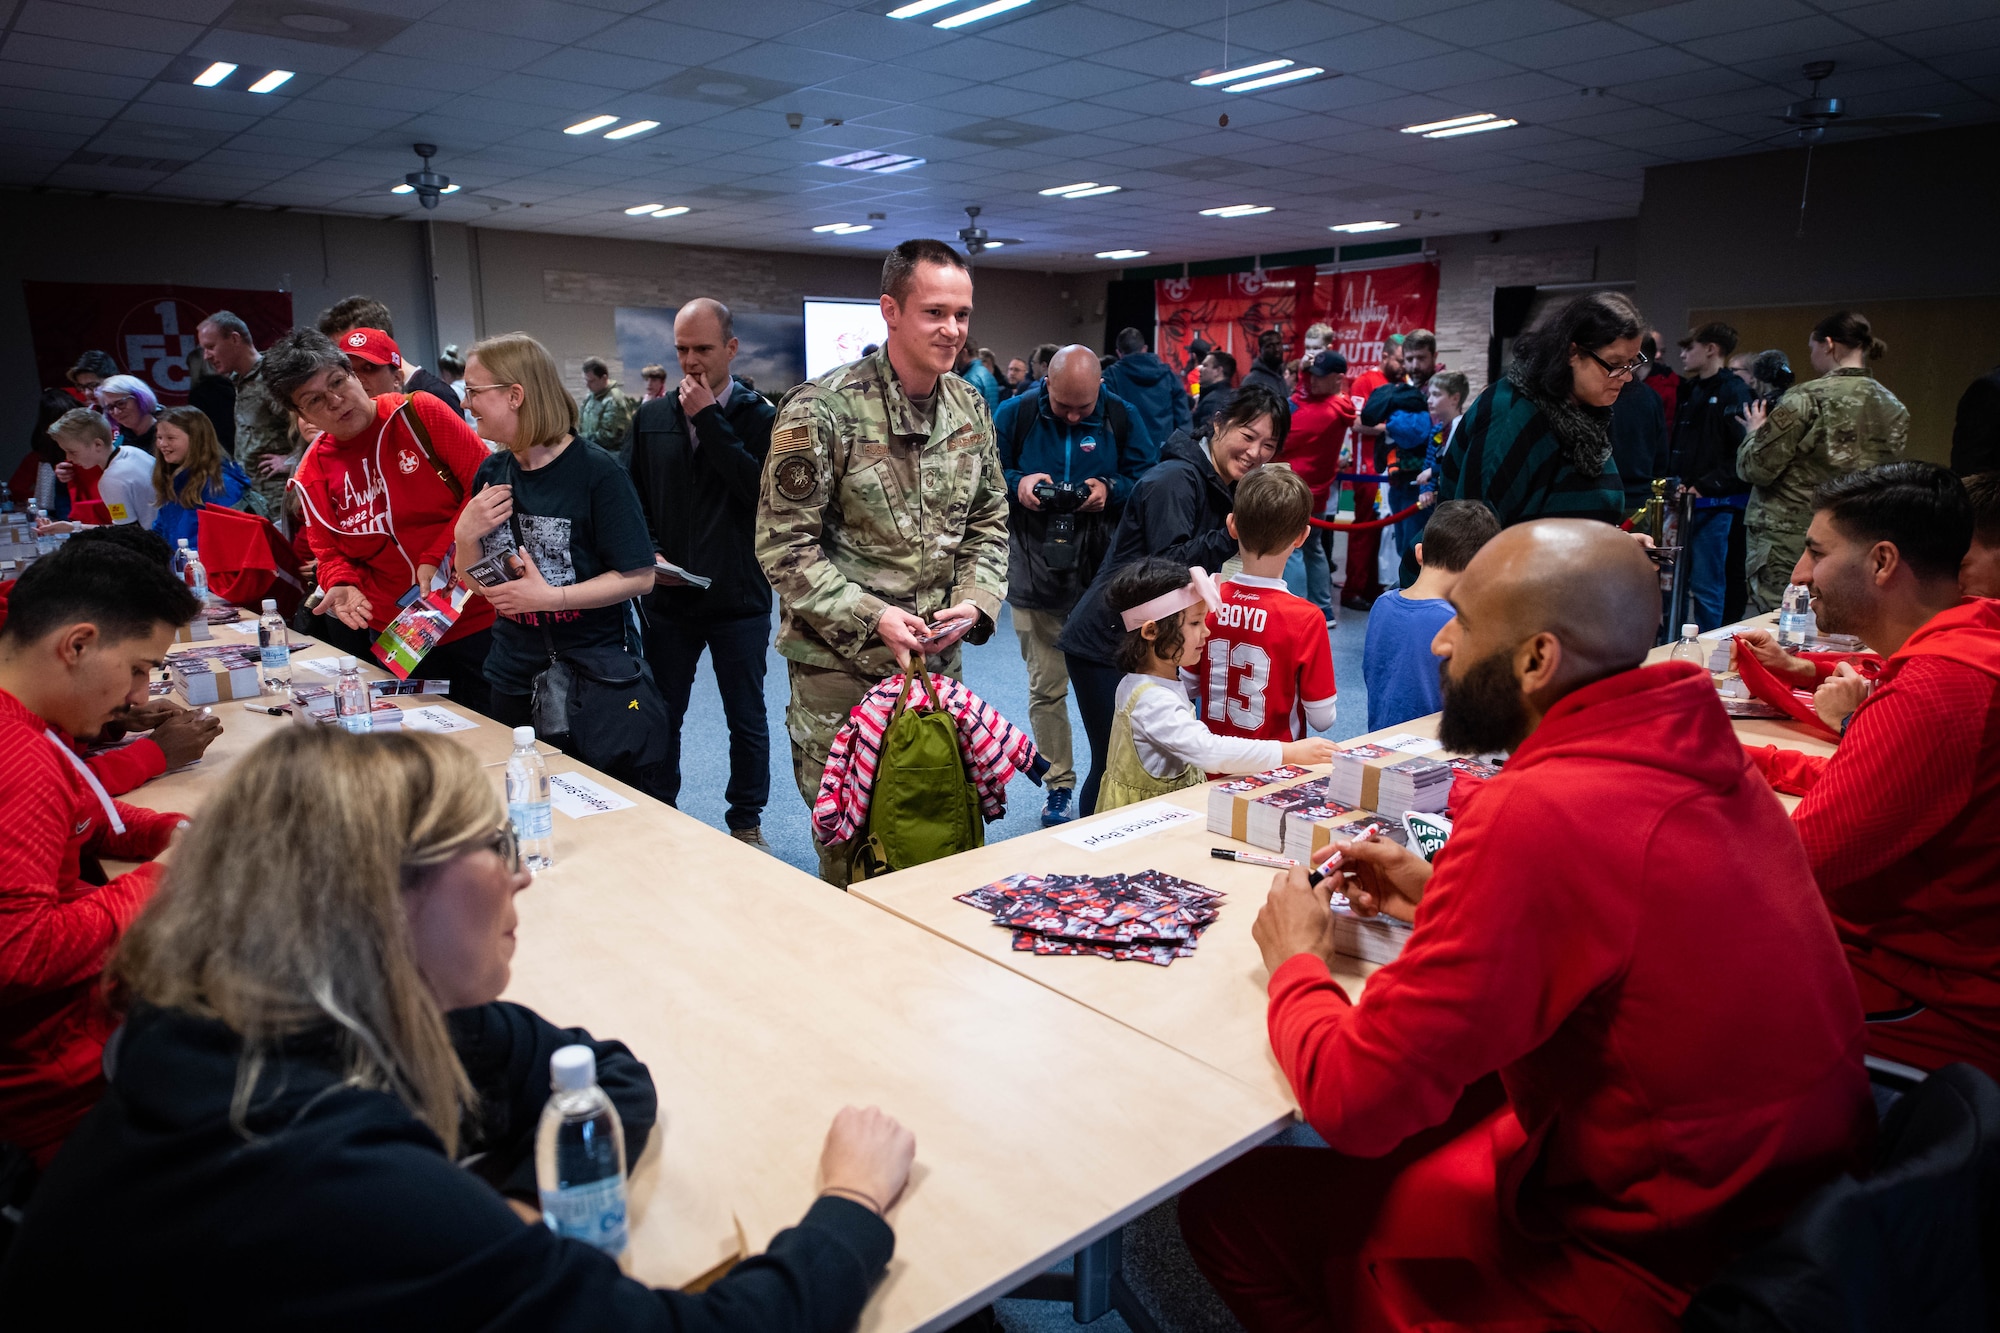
pixel 700 498
pixel 1153 390
pixel 1708 427
pixel 1180 510
pixel 1271 377
pixel 1638 441
pixel 1385 402
pixel 1975 433
pixel 341 1211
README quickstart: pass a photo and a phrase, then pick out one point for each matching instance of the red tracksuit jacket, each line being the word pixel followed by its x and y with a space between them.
pixel 56 929
pixel 375 509
pixel 1902 824
pixel 120 769
pixel 1625 927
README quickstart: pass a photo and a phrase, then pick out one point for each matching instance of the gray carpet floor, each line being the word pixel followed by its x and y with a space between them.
pixel 1156 1262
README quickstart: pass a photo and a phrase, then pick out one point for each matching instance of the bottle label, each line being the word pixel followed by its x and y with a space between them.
pixel 531 819
pixel 277 656
pixel 593 1213
pixel 357 722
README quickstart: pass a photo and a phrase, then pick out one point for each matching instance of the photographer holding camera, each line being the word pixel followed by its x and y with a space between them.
pixel 1070 450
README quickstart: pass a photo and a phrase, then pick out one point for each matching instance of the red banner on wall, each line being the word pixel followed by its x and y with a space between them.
pixel 148 329
pixel 1365 306
pixel 1229 310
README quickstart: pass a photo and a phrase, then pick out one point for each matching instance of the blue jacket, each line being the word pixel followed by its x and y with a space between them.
pixel 1154 391
pixel 175 521
pixel 980 378
pixel 1032 439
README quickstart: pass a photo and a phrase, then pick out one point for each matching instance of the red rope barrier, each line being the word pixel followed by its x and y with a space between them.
pixel 1332 526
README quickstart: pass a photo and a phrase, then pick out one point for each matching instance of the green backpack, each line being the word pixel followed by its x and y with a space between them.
pixel 924 804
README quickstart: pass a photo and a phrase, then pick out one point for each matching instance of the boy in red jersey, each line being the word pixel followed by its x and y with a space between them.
pixel 1268 673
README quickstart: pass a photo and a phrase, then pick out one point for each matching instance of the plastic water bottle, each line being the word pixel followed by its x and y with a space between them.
pixel 196 576
pixel 528 801
pixel 1688 647
pixel 1795 617
pixel 181 557
pixel 6 499
pixel 45 542
pixel 274 647
pixel 350 698
pixel 580 1155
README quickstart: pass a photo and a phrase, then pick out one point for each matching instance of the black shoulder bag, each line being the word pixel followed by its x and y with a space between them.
pixel 599 702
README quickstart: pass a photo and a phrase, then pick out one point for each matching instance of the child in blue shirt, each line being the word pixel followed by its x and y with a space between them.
pixel 1396 661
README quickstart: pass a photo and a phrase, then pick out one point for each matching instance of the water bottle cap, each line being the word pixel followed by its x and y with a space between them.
pixel 1690 631
pixel 524 736
pixel 184 542
pixel 270 603
pixel 346 662
pixel 572 1069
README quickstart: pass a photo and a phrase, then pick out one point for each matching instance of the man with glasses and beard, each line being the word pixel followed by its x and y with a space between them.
pixel 1667 1091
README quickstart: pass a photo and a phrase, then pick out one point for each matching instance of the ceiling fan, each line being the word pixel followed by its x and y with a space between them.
pixel 1814 116
pixel 975 238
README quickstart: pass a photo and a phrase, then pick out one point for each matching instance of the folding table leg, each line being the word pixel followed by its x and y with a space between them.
pixel 1094 1287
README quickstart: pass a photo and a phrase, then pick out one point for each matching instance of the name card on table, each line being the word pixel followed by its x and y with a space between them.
pixel 580 798
pixel 1137 822
pixel 433 718
pixel 1407 742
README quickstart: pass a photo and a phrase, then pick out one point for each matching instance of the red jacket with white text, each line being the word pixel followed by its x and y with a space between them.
pixel 375 509
pixel 1625 927
pixel 56 928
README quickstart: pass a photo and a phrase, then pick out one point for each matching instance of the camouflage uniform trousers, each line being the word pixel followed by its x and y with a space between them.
pixel 1770 553
pixel 822 697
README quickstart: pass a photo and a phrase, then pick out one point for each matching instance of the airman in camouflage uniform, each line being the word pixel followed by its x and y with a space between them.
pixel 606 416
pixel 263 430
pixel 1842 422
pixel 864 506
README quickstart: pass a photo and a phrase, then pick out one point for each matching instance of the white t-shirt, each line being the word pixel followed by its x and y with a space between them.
pixel 1168 736
pixel 127 487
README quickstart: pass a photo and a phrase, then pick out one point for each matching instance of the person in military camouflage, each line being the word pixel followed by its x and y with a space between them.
pixel 1842 422
pixel 882 516
pixel 606 418
pixel 264 444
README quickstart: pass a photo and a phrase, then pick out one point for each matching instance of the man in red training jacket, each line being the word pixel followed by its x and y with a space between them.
pixel 85 627
pixel 1624 928
pixel 1902 822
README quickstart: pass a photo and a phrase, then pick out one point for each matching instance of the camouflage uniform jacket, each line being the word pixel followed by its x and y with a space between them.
pixel 263 430
pixel 859 510
pixel 606 418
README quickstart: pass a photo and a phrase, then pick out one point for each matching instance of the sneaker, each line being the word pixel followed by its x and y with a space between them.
pixel 1056 810
pixel 754 835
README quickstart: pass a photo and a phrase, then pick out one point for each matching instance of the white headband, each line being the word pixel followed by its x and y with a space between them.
pixel 1200 588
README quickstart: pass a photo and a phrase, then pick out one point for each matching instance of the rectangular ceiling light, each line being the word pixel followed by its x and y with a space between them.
pixel 1235 210
pixel 1123 254
pixel 1093 191
pixel 272 81
pixel 1273 80
pixel 214 74
pixel 983 12
pixel 636 210
pixel 1065 189
pixel 917 7
pixel 1454 123
pixel 1232 75
pixel 1479 128
pixel 1354 227
pixel 843 228
pixel 673 212
pixel 594 123
pixel 874 160
pixel 636 127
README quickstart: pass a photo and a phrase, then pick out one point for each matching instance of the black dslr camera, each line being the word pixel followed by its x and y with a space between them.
pixel 1060 501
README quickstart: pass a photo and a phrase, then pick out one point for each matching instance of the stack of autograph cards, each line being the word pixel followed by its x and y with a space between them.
pixel 1149 916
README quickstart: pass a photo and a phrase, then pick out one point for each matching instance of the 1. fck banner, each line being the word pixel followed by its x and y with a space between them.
pixel 1229 310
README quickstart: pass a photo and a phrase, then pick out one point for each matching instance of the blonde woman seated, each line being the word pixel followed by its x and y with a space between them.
pixel 313 1040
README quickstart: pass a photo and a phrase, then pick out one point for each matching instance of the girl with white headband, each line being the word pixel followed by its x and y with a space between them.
pixel 1158 745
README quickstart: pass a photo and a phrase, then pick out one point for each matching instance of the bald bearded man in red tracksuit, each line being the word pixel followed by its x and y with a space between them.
pixel 1624 928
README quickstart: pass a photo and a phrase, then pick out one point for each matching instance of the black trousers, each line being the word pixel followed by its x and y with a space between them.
pixel 736 650
pixel 517 710
pixel 462 661
pixel 1095 685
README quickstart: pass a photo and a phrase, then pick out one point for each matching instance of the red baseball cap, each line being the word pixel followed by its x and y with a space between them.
pixel 371 345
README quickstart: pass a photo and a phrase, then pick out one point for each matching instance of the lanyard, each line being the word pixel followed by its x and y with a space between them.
pixel 103 796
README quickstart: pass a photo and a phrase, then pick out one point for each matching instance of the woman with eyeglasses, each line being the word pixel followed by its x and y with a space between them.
pixel 1537 443
pixel 378 493
pixel 131 405
pixel 319 1113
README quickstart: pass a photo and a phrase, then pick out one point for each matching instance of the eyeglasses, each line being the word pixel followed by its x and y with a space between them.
pixel 471 389
pixel 506 844
pixel 1631 367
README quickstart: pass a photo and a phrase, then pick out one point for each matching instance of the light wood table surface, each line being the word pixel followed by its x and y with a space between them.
pixel 763 1001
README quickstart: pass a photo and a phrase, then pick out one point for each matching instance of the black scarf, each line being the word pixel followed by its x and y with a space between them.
pixel 1583 432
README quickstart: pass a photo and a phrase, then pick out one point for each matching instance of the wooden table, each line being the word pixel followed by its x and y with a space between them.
pixel 763 1001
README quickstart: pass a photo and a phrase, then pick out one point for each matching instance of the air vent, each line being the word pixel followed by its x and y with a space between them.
pixel 313 21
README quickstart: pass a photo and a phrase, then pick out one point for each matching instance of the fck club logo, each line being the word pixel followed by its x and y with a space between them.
pixel 357 339
pixel 407 461
pixel 1176 289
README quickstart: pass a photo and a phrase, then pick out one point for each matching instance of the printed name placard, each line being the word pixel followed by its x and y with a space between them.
pixel 1137 822
pixel 1406 742
pixel 580 798
pixel 433 718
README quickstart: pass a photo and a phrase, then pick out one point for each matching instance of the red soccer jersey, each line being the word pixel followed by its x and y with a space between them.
pixel 1268 657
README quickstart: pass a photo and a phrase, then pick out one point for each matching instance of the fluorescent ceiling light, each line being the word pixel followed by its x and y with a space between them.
pixel 1273 80
pixel 917 7
pixel 1093 191
pixel 1232 75
pixel 643 208
pixel 594 123
pixel 1065 189
pixel 843 228
pixel 636 127
pixel 673 212
pixel 214 74
pixel 1351 227
pixel 402 189
pixel 983 12
pixel 1123 254
pixel 1454 123
pixel 873 160
pixel 449 189
pixel 277 78
pixel 1480 128
pixel 1235 210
